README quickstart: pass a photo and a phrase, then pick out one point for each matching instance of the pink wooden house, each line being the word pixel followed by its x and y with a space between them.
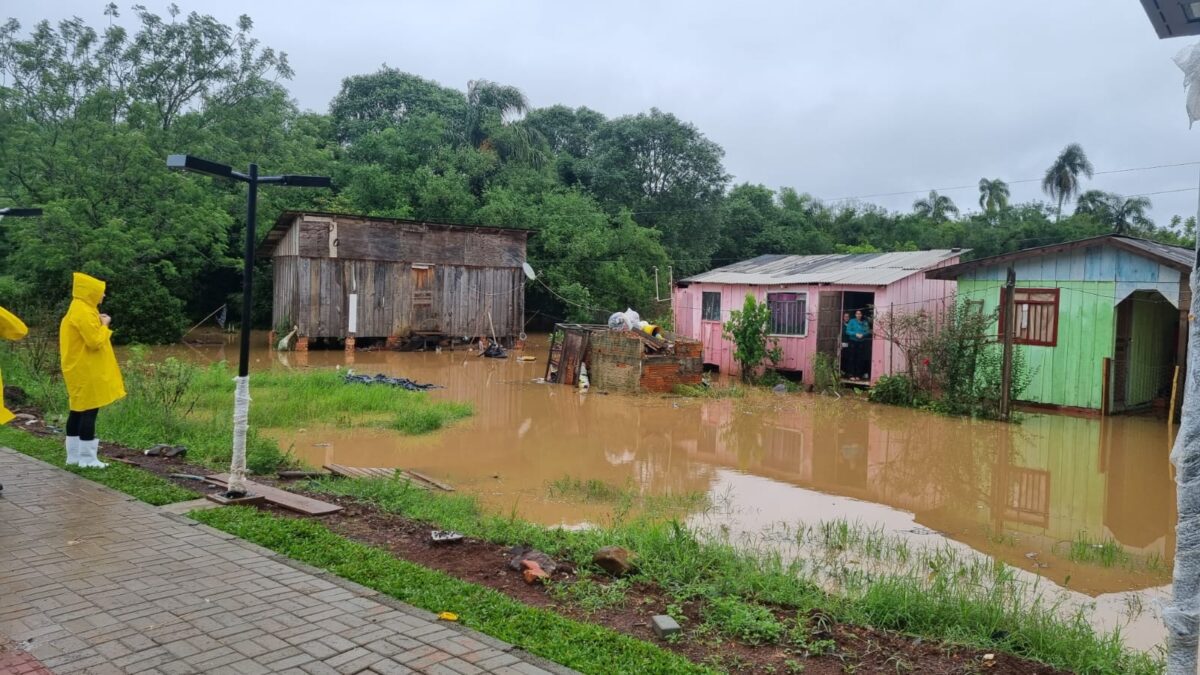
pixel 808 295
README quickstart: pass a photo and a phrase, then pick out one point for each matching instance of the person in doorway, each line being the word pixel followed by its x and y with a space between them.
pixel 847 356
pixel 89 368
pixel 11 328
pixel 858 334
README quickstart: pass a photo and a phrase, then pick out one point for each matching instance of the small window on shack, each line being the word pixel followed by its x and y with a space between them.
pixel 711 309
pixel 1036 316
pixel 789 313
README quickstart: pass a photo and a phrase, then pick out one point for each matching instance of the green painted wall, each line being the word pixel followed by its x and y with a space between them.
pixel 1069 374
pixel 1154 330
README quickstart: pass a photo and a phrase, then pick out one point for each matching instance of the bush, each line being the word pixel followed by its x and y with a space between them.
pixel 827 374
pixel 898 390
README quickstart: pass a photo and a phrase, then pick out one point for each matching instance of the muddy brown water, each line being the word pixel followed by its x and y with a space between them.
pixel 1039 495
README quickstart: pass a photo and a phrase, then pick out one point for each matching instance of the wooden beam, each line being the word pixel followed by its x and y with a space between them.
pixel 283 498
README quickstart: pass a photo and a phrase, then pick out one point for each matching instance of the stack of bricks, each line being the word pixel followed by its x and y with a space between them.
pixel 660 374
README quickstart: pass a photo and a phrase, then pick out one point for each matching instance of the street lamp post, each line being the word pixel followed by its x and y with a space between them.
pixel 241 402
pixel 1178 18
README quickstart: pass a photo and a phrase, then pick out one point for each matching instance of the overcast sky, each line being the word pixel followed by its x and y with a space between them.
pixel 838 99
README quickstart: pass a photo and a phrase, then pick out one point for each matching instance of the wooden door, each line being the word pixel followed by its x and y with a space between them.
pixel 424 316
pixel 1121 354
pixel 829 323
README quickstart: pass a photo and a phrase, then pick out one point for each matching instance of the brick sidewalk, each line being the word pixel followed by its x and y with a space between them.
pixel 93 581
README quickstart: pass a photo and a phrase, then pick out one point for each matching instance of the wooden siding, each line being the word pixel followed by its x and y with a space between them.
pixel 467 274
pixel 314 293
pixel 1069 374
pixel 1096 263
pixel 1150 351
pixel 362 239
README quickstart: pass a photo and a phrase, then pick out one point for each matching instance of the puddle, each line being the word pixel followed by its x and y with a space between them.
pixel 1087 504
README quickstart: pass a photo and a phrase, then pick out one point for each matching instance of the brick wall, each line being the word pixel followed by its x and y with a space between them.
pixel 617 363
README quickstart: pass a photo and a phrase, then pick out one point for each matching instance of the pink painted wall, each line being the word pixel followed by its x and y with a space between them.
pixel 910 294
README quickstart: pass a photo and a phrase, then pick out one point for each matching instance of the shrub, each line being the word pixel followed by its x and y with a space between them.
pixel 898 390
pixel 748 329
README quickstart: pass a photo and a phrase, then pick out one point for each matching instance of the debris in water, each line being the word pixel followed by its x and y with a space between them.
pixel 495 351
pixel 402 382
pixel 527 358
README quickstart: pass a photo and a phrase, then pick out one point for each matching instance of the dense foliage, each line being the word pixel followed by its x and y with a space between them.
pixel 88 115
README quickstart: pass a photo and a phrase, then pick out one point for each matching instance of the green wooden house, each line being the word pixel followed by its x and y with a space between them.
pixel 1102 322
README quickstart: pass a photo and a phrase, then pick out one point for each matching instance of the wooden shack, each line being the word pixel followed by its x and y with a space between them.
pixel 344 276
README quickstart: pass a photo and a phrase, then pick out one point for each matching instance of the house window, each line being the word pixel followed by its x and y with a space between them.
pixel 711 310
pixel 1036 316
pixel 788 313
pixel 975 307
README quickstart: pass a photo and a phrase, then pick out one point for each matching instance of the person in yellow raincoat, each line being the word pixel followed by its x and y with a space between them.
pixel 89 368
pixel 11 328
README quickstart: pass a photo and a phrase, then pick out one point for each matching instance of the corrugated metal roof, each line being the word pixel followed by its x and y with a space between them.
pixel 860 269
pixel 1183 256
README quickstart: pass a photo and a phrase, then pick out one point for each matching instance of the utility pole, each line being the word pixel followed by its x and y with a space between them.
pixel 1008 322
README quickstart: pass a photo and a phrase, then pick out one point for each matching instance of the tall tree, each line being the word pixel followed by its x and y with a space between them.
pixel 935 207
pixel 669 175
pixel 993 194
pixel 389 97
pixel 1061 181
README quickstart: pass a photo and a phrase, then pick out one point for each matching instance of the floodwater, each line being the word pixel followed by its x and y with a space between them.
pixel 1054 495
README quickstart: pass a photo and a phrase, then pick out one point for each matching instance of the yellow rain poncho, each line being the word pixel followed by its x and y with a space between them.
pixel 11 328
pixel 85 345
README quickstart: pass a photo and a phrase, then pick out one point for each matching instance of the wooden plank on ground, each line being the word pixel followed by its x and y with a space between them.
pixel 426 479
pixel 416 478
pixel 288 500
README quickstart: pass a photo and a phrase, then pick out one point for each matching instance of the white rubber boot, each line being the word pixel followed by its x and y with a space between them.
pixel 72 451
pixel 87 454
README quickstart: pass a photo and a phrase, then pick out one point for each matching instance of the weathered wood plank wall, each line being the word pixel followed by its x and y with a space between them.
pixel 475 273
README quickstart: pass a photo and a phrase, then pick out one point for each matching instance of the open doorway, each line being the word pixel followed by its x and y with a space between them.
pixel 1144 351
pixel 858 320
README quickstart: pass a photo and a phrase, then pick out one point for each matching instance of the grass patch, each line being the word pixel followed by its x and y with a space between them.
pixel 938 593
pixel 585 647
pixel 709 391
pixel 130 480
pixel 626 497
pixel 171 401
pixel 1105 552
pixel 289 399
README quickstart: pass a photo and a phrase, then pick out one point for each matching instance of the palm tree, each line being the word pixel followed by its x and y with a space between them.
pixel 993 194
pixel 1120 214
pixel 489 102
pixel 1062 178
pixel 1130 213
pixel 935 207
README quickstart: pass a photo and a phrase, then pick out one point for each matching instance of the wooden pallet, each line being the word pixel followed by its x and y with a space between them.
pixel 288 500
pixel 415 478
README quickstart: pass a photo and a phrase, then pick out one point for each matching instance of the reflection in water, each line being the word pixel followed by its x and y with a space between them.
pixel 1030 494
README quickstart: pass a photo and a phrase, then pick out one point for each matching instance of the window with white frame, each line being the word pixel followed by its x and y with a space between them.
pixel 789 313
pixel 711 306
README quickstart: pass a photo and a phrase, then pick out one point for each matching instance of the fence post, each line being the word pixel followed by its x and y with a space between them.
pixel 1006 369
